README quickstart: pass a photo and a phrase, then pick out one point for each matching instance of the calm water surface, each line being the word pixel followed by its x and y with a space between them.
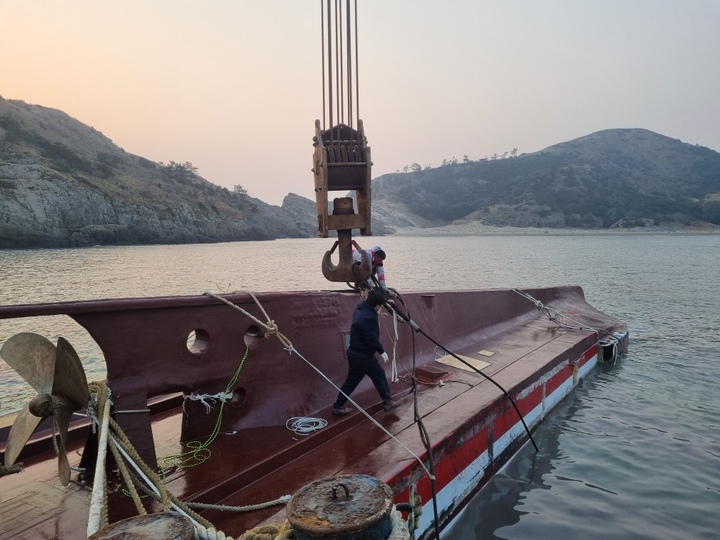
pixel 633 453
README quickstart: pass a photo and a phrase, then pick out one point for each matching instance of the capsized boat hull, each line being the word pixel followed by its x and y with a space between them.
pixel 470 423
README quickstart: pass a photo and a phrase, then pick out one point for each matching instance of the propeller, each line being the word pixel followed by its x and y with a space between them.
pixel 57 375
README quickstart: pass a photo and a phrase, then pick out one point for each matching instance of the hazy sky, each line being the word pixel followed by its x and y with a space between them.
pixel 234 86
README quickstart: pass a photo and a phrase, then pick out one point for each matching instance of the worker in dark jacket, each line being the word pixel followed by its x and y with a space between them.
pixel 364 343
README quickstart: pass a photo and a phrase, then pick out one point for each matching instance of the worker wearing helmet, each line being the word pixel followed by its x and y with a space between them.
pixel 377 257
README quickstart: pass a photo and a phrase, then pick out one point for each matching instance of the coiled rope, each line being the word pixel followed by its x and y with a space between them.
pixel 301 425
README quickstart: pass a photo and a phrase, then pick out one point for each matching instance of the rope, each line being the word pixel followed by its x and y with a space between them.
pixel 98 503
pixel 120 440
pixel 248 508
pixel 203 528
pixel 413 523
pixel 291 349
pixel 111 435
pixel 559 318
pixel 269 326
pixel 367 415
pixel 199 451
pixel 271 531
pixel 129 481
pixel 123 452
pixel 305 426
pixel 284 531
pixel 394 339
pixel 220 396
pixel 399 527
pixel 152 480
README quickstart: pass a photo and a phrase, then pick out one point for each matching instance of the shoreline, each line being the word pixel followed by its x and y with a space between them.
pixel 477 229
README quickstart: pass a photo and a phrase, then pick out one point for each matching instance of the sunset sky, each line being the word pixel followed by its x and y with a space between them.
pixel 234 86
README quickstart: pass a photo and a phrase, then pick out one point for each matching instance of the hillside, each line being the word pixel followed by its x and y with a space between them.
pixel 616 178
pixel 64 184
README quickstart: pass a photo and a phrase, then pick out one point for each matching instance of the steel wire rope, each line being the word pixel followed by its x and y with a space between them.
pixel 359 408
pixel 322 64
pixel 330 104
pixel 337 67
pixel 341 63
pixel 559 318
pixel 348 61
pixel 357 77
pixel 291 349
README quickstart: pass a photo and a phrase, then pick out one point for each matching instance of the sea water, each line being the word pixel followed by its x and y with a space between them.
pixel 633 453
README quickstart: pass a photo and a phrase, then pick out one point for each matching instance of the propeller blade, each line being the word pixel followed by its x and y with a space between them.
pixel 70 381
pixel 61 417
pixel 63 464
pixel 33 357
pixel 23 427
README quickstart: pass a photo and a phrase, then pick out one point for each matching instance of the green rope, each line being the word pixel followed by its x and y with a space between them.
pixel 199 452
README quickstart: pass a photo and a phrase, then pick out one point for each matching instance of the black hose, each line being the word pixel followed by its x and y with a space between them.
pixel 425 437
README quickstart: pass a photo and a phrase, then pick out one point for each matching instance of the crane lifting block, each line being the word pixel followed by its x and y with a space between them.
pixel 341 162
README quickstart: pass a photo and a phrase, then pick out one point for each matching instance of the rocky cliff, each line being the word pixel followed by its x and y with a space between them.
pixel 65 184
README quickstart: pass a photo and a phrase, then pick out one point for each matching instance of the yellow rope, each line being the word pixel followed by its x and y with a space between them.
pixel 128 480
pixel 168 499
pixel 271 531
pixel 204 529
pixel 118 440
pixel 248 508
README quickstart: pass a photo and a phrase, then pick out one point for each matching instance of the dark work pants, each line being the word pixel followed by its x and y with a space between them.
pixel 358 368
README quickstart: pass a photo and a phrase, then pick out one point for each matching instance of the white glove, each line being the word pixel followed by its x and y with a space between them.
pixel 384 356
